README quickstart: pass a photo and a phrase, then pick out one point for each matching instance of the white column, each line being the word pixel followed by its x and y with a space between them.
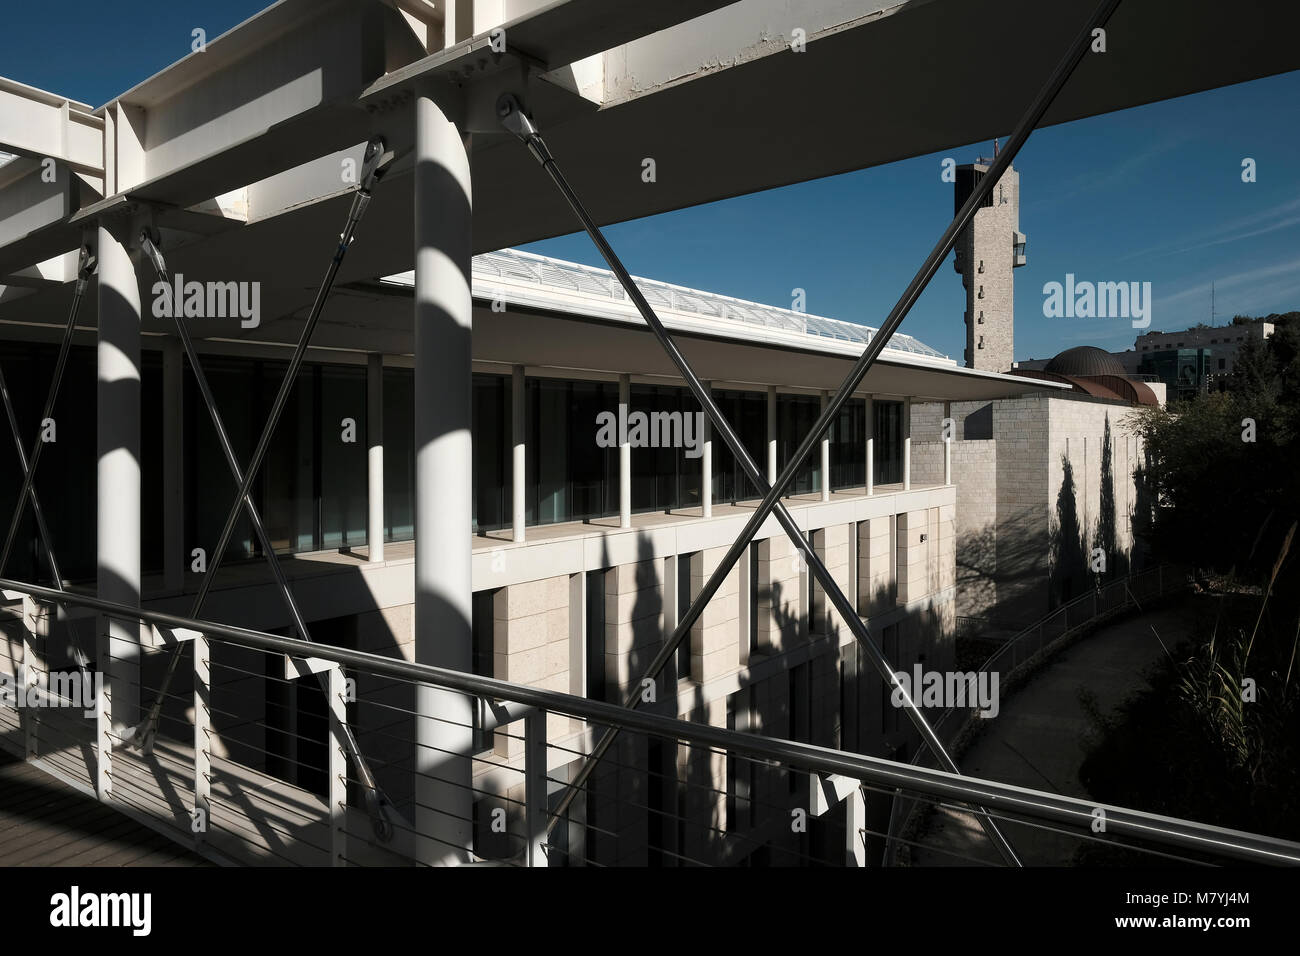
pixel 826 452
pixel 118 473
pixel 670 600
pixel 443 511
pixel 855 851
pixel 947 446
pixel 871 445
pixel 375 454
pixel 624 454
pixel 519 460
pixel 173 449
pixel 907 443
pixel 578 634
pixel 771 434
pixel 336 766
pixel 535 788
pixel 851 592
pixel 706 464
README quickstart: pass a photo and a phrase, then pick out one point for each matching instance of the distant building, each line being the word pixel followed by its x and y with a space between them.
pixel 988 250
pixel 1094 372
pixel 1198 359
pixel 1019 464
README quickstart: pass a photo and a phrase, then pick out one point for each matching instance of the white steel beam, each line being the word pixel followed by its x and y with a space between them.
pixel 42 125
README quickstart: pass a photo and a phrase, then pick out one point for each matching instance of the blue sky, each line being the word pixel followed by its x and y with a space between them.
pixel 1152 194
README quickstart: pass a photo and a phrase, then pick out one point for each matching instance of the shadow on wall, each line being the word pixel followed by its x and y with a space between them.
pixel 1068 542
pixel 1081 561
pixel 1002 572
pixel 662 803
pixel 1008 576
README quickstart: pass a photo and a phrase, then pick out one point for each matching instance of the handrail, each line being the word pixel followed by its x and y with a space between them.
pixel 986 667
pixel 1001 798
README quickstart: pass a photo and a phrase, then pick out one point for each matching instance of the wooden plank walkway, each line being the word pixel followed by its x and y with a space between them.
pixel 45 822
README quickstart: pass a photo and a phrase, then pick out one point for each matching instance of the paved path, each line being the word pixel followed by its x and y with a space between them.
pixel 44 822
pixel 1038 738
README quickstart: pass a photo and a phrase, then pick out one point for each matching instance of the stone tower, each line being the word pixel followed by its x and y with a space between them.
pixel 988 250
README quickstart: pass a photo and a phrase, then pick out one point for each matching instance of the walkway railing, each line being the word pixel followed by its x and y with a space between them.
pixel 1065 621
pixel 244 781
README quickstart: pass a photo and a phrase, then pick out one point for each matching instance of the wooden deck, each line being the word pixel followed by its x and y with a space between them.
pixel 257 820
pixel 44 822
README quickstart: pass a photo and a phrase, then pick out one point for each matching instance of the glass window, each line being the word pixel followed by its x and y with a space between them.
pixel 65 477
pixel 664 477
pixel 570 478
pixel 888 442
pixel 290 497
pixel 746 412
pixel 209 487
pixel 848 446
pixel 492 453
pixel 312 486
pixel 344 477
pixel 795 417
pixel 399 454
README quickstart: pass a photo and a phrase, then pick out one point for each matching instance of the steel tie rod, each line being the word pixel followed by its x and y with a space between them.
pixel 513 115
pixel 519 124
pixel 85 269
pixel 375 164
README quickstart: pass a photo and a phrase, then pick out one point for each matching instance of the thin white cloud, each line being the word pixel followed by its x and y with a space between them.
pixel 1286 276
pixel 1256 224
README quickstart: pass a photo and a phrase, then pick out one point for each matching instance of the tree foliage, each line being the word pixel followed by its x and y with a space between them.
pixel 1219 487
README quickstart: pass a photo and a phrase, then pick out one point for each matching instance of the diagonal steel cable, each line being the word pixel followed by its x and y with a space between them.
pixel 514 116
pixel 519 124
pixel 85 269
pixel 376 163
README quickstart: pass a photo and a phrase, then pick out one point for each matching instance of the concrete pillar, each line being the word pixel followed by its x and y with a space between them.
pixel 519 460
pixel 907 443
pixel 771 434
pixel 947 445
pixel 826 452
pixel 871 445
pixel 855 821
pixel 443 504
pixel 375 455
pixel 671 599
pixel 851 591
pixel 118 471
pixel 706 464
pixel 624 454
pixel 175 553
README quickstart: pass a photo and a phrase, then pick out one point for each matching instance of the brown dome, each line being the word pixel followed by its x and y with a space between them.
pixel 1085 360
